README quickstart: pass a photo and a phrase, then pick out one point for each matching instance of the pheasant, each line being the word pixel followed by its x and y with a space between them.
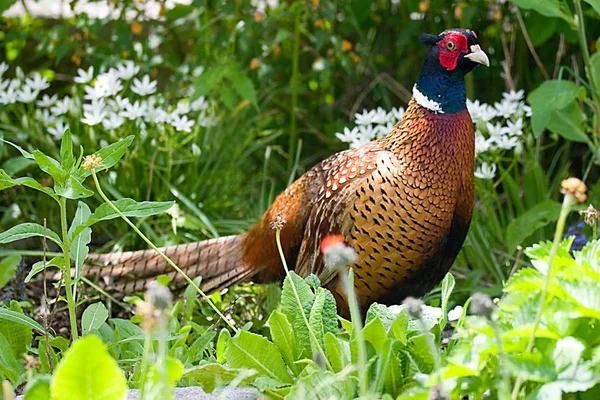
pixel 403 202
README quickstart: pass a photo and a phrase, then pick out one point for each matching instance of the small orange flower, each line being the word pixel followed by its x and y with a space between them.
pixel 458 12
pixel 277 49
pixel 424 6
pixel 136 28
pixel 315 3
pixel 346 45
pixel 355 58
pixel 254 63
pixel 259 16
pixel 319 23
pixel 76 59
pixel 331 240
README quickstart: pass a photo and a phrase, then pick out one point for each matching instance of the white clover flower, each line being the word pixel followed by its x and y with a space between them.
pixel 486 171
pixel 348 136
pixel 494 130
pixel 112 121
pixel 513 96
pixel 182 124
pixel 506 108
pixel 134 111
pixel 94 113
pixel 127 70
pixel 84 76
pixel 144 87
pixel 46 101
pixel 58 130
pixel 61 106
pixel 514 128
pixel 200 104
pixel 27 94
pixel 8 96
pixel 505 142
pixel 3 68
pixel 37 83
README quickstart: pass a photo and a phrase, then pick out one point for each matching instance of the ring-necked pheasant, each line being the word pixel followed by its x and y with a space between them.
pixel 403 202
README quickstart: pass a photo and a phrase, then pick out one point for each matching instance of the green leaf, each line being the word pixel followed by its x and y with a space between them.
pixel 447 288
pixel 130 208
pixel 337 352
pixel 222 343
pixel 374 333
pixel 19 318
pixel 292 310
pixel 196 349
pixel 66 151
pixel 212 376
pixel 388 371
pixel 550 95
pixel 49 165
pixel 39 267
pixel 79 244
pixel 15 165
pixel 527 223
pixel 8 182
pixel 248 350
pixel 93 317
pixel 316 385
pixel 282 334
pixel 88 372
pixel 111 154
pixel 549 8
pixel 23 152
pixel 18 336
pixel 568 123
pixel 208 80
pixel 8 363
pixel 323 316
pixel 6 4
pixel 8 266
pixel 27 230
pixel 243 85
pixel 38 389
pixel 72 188
pixel 400 328
pixel 595 5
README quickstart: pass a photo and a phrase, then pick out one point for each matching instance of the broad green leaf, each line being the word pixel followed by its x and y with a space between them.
pixel 130 208
pixel 72 188
pixel 394 378
pixel 39 267
pixel 18 336
pixel 17 164
pixel 337 354
pixel 196 349
pixel 38 389
pixel 9 315
pixel 27 230
pixel 6 4
pixel 79 244
pixel 531 366
pixel 317 385
pixel 292 310
pixel 66 151
pixel 93 317
pixel 567 352
pixel 384 363
pixel 527 223
pixel 222 343
pixel 8 363
pixel 8 266
pixel 374 333
pixel 383 312
pixel 243 85
pixel 549 8
pixel 550 95
pixel 251 351
pixel 400 328
pixel 8 182
pixel 568 123
pixel 212 376
pixel 88 372
pixel 282 334
pixel 323 316
pixel 111 154
pixel 595 4
pixel 49 165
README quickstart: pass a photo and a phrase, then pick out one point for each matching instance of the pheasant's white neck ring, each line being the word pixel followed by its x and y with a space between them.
pixel 426 102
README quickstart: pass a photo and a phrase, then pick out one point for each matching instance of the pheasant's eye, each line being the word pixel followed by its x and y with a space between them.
pixel 450 45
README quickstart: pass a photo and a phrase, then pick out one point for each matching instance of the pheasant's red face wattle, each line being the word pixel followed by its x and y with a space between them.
pixel 451 47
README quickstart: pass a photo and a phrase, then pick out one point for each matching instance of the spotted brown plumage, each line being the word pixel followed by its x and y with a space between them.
pixel 403 202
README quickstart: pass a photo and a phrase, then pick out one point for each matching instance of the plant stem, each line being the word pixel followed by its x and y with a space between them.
pixel 66 246
pixel 585 52
pixel 568 201
pixel 167 259
pixel 294 87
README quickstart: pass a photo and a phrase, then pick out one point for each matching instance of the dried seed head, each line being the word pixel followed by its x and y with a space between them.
pixel 414 307
pixel 277 223
pixel 575 187
pixel 482 304
pixel 92 162
pixel 159 296
pixel 336 253
pixel 148 314
pixel 590 216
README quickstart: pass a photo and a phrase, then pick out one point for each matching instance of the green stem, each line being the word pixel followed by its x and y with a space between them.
pixel 67 271
pixel 294 87
pixel 585 52
pixel 568 201
pixel 313 337
pixel 167 259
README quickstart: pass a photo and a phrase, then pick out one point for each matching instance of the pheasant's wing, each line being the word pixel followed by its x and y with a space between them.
pixel 344 176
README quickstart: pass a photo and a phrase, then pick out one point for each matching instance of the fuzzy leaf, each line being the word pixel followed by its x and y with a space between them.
pixel 337 353
pixel 38 389
pixel 282 334
pixel 292 310
pixel 212 376
pixel 374 333
pixel 323 315
pixel 317 385
pixel 527 223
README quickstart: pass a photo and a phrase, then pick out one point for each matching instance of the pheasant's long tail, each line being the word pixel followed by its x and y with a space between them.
pixel 220 263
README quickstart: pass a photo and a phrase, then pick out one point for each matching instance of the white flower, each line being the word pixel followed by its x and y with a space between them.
pixel 3 68
pixel 94 93
pixel 495 130
pixel 45 116
pixel 506 108
pixel 481 143
pixel 383 130
pixel 183 107
pixel 359 142
pixel 485 171
pixel 8 96
pixel 505 142
pixel 143 87
pixel 199 104
pixel 134 111
pixel 318 65
pixel 455 313
pixel 487 113
pixel 196 150
pixel 58 130
pixel 380 117
pixel 474 109
pixel 513 96
pixel 109 82
pixel 127 70
pixel 396 115
pixel 156 114
pixel 62 106
pixel 366 118
pixel 514 128
pixel 119 103
pixel 348 136
pixel 84 76
pixel 527 110
pixel 46 101
pixel 37 83
pixel 206 120
pixel 113 121
pixel 182 124
pixel 367 132
pixel 94 113
pixel 27 94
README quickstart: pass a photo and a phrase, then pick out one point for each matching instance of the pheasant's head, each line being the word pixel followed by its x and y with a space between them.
pixel 453 54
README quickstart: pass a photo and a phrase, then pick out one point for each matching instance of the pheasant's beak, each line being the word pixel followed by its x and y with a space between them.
pixel 477 55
